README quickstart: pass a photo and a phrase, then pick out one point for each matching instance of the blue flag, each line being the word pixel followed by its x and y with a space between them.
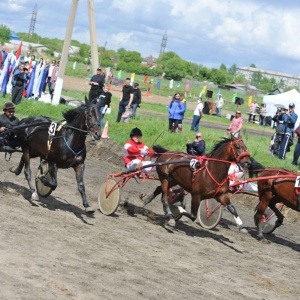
pixel 31 82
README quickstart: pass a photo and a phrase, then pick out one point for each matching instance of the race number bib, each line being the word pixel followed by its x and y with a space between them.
pixel 52 129
pixel 297 182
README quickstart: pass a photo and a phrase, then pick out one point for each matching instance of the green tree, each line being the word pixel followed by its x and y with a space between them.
pixel 256 78
pixel 174 68
pixel 223 68
pixel 131 57
pixel 252 66
pixel 4 34
pixel 232 70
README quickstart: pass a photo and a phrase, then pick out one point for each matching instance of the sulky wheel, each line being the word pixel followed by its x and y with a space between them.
pixel 42 189
pixel 109 204
pixel 209 213
pixel 269 226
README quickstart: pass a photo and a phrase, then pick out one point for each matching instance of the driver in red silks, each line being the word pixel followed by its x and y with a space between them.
pixel 135 152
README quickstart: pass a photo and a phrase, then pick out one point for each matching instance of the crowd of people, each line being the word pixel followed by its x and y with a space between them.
pixel 24 76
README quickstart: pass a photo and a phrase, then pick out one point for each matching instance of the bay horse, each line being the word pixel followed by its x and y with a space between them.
pixel 278 186
pixel 64 149
pixel 210 180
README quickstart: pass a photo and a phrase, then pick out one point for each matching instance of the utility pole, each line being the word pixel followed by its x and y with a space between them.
pixel 64 55
pixel 93 36
pixel 67 43
pixel 32 21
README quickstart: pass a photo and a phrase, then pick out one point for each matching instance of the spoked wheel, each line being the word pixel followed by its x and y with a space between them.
pixel 42 189
pixel 209 213
pixel 269 226
pixel 109 204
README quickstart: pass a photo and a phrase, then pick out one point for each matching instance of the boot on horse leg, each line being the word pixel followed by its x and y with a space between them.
pixel 236 217
pixel 168 214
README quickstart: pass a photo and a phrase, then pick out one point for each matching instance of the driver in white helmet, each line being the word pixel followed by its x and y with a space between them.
pixel 135 151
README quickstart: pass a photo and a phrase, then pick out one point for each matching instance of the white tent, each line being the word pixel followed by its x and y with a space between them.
pixel 280 100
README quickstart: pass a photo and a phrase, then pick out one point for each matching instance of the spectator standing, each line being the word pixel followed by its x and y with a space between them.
pixel 236 124
pixel 49 75
pixel 8 121
pixel 297 148
pixel 103 102
pixel 20 79
pixel 137 99
pixel 263 113
pixel 44 78
pixel 97 82
pixel 176 111
pixel 197 115
pixel 3 54
pixel 53 79
pixel 289 121
pixel 219 105
pixel 197 147
pixel 252 113
pixel 125 99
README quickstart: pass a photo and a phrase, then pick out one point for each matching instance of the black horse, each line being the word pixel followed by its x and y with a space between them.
pixel 61 145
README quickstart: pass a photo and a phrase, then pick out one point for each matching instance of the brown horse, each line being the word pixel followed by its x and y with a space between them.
pixel 210 180
pixel 279 186
pixel 60 145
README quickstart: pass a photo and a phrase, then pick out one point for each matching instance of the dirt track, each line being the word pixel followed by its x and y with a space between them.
pixel 53 250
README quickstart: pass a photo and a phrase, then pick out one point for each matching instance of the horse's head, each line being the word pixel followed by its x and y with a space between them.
pixel 238 152
pixel 92 120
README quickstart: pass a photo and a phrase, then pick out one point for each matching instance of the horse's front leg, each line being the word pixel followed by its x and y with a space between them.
pixel 225 200
pixel 259 217
pixel 165 202
pixel 79 171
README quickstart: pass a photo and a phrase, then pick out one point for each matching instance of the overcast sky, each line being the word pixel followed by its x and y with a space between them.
pixel 208 32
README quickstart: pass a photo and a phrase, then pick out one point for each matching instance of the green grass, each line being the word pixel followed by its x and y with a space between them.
pixel 155 128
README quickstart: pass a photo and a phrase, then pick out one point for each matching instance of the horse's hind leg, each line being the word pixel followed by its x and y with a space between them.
pixel 148 199
pixel 278 214
pixel 79 171
pixel 17 170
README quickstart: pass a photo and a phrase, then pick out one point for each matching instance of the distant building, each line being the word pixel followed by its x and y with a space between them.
pixel 286 79
pixel 242 88
pixel 149 61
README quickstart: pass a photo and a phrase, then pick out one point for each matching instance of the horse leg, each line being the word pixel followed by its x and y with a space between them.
pixel 148 199
pixel 260 216
pixel 278 214
pixel 52 169
pixel 195 202
pixel 231 208
pixel 27 173
pixel 17 170
pixel 165 202
pixel 79 171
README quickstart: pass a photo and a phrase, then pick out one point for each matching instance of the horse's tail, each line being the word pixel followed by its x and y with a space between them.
pixel 255 168
pixel 159 149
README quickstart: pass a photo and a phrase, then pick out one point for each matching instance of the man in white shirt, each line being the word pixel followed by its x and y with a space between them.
pixel 219 105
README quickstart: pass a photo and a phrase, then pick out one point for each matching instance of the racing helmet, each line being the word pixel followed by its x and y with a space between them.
pixel 135 131
pixel 8 105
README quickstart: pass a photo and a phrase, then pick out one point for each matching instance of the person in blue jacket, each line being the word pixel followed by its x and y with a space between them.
pixel 176 112
pixel 289 121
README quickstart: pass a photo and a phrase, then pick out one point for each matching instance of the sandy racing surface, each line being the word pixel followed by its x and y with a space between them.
pixel 52 250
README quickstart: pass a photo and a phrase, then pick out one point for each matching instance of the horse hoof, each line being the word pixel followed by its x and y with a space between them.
pixel 13 170
pixel 90 210
pixel 34 196
pixel 243 230
pixel 171 222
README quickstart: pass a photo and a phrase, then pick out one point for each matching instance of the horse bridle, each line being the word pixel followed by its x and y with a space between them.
pixel 239 157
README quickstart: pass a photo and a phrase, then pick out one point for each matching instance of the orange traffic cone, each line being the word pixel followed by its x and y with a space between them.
pixel 105 131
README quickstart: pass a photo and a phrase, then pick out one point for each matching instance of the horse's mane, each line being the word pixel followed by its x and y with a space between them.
pixel 160 150
pixel 71 114
pixel 219 144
